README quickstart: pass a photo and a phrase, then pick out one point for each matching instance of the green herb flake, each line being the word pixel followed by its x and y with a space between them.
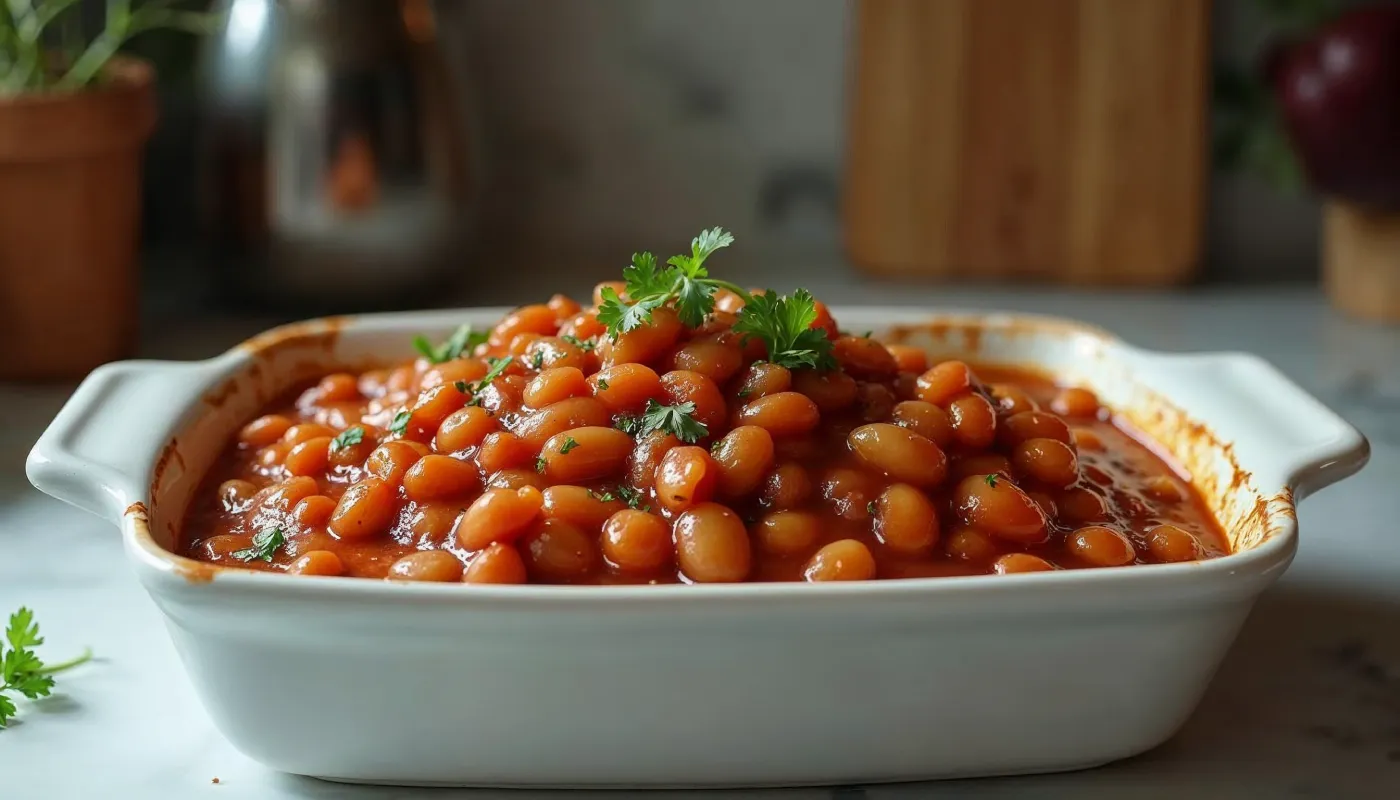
pixel 399 423
pixel 568 445
pixel 991 480
pixel 537 361
pixel 266 542
pixel 586 345
pixel 540 464
pixel 603 384
pixel 632 497
pixel 870 508
pixel 348 438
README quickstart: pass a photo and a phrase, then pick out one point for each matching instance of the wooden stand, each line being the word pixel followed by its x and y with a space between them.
pixel 1361 261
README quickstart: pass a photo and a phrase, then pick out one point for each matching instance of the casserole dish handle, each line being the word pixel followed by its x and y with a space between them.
pixel 1272 420
pixel 98 453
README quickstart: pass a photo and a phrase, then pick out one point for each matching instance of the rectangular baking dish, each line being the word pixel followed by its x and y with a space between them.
pixel 732 685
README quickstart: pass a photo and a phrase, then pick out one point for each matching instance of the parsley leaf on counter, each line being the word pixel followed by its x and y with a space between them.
pixel 462 340
pixel 20 669
pixel 784 325
pixel 265 545
pixel 348 438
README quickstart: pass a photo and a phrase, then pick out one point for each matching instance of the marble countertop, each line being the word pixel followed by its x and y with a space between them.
pixel 1306 705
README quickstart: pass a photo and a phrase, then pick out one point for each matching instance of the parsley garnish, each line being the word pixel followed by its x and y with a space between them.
pixel 461 340
pixel 20 669
pixel 568 445
pixel 265 545
pixel 497 366
pixel 603 384
pixel 348 438
pixel 715 446
pixel 586 345
pixel 870 508
pixel 537 361
pixel 678 420
pixel 991 480
pixel 784 324
pixel 540 463
pixel 631 497
pixel 399 423
pixel 684 280
pixel 605 497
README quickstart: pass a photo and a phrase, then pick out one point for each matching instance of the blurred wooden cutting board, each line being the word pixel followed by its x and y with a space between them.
pixel 1054 140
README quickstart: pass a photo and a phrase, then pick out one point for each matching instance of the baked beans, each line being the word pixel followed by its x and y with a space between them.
pixel 671 453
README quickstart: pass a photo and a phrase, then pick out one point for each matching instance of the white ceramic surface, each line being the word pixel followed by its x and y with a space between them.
pixel 752 684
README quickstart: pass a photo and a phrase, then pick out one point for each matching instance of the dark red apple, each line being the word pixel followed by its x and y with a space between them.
pixel 1339 97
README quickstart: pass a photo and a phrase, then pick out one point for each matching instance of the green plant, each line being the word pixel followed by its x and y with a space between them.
pixel 45 47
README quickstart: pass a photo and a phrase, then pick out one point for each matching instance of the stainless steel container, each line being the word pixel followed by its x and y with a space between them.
pixel 334 154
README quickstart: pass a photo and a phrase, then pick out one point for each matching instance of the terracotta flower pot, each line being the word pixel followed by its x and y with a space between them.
pixel 1361 261
pixel 70 203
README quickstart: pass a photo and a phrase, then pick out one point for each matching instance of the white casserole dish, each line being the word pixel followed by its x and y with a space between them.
pixel 755 684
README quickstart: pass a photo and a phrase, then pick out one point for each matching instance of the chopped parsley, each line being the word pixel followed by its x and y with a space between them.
pixel 399 423
pixel 632 497
pixel 991 480
pixel 603 384
pixel 568 445
pixel 496 367
pixel 677 420
pixel 266 542
pixel 461 341
pixel 537 361
pixel 586 345
pixel 348 438
pixel 870 508
pixel 540 463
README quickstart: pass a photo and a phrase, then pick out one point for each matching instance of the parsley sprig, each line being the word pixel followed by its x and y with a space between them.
pixel 785 326
pixel 678 420
pixel 683 280
pixel 266 543
pixel 21 670
pixel 462 340
pixel 782 323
